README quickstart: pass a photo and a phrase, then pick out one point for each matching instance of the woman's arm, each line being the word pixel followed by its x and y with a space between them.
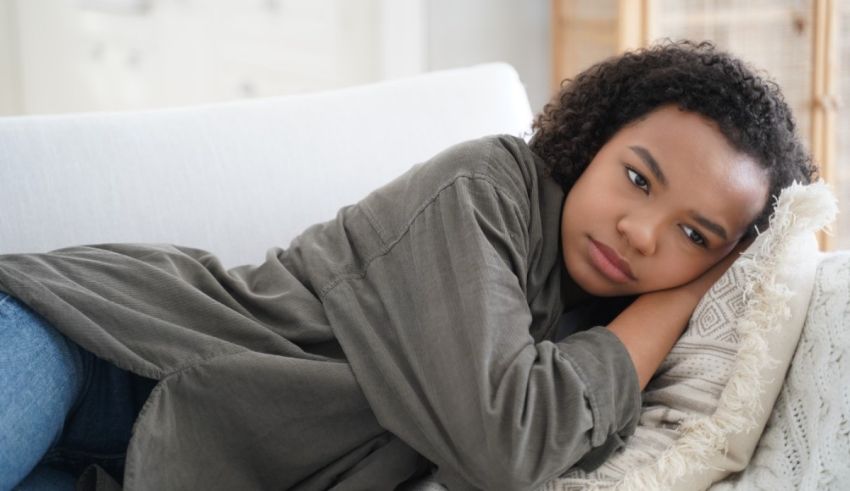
pixel 437 333
pixel 668 311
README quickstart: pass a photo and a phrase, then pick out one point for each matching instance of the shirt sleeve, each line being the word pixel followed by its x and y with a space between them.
pixel 437 333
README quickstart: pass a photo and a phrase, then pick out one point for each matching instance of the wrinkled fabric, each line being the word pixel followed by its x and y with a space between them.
pixel 411 330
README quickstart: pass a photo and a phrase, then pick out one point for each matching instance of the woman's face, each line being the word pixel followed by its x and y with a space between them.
pixel 661 202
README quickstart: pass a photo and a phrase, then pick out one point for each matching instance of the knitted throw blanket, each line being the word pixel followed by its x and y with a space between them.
pixel 806 444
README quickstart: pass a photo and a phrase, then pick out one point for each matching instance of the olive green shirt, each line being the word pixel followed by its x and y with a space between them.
pixel 412 329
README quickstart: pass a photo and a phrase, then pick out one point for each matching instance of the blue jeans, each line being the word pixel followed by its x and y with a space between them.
pixel 62 408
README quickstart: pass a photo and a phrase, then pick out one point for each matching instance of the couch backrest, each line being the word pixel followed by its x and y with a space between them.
pixel 235 178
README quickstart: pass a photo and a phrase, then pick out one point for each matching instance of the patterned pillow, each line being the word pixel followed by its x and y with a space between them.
pixel 706 407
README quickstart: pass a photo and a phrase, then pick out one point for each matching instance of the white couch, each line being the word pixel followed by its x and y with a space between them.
pixel 156 176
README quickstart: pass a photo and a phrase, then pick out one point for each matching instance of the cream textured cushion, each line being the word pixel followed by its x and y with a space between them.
pixel 707 406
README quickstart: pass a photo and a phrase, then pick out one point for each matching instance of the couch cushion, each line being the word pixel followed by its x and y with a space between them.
pixel 235 178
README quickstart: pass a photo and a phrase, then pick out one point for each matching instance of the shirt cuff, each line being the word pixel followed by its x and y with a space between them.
pixel 612 389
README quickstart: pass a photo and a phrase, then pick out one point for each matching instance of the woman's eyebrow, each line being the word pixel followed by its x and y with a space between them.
pixel 705 222
pixel 650 162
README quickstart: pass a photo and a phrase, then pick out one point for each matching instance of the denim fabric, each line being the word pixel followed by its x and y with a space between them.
pixel 64 409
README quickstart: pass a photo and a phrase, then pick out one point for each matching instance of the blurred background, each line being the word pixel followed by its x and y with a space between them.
pixel 59 56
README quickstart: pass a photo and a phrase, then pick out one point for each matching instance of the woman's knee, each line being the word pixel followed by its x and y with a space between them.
pixel 41 376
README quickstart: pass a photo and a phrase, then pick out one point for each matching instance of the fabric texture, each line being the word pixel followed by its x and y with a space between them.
pixel 412 329
pixel 705 408
pixel 806 444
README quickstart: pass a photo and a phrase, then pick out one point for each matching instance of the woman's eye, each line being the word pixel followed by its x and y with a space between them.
pixel 694 236
pixel 637 179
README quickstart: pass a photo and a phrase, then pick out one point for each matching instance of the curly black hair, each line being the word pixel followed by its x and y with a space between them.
pixel 749 110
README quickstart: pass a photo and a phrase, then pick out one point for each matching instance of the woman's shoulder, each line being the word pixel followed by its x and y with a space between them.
pixel 469 171
pixel 504 160
pixel 487 154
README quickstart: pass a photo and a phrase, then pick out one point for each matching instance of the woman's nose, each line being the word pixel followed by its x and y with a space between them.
pixel 640 231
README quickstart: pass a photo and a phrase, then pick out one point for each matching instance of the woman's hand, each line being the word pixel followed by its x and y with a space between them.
pixel 650 326
pixel 700 286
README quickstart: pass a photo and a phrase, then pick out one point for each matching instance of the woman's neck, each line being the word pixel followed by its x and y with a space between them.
pixel 571 293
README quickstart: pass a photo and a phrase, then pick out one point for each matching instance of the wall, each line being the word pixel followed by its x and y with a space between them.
pixel 474 31
pixel 176 52
pixel 10 93
pixel 83 55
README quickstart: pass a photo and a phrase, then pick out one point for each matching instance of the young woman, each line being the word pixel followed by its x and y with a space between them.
pixel 429 326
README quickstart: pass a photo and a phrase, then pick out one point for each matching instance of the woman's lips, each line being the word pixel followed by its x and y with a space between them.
pixel 609 263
